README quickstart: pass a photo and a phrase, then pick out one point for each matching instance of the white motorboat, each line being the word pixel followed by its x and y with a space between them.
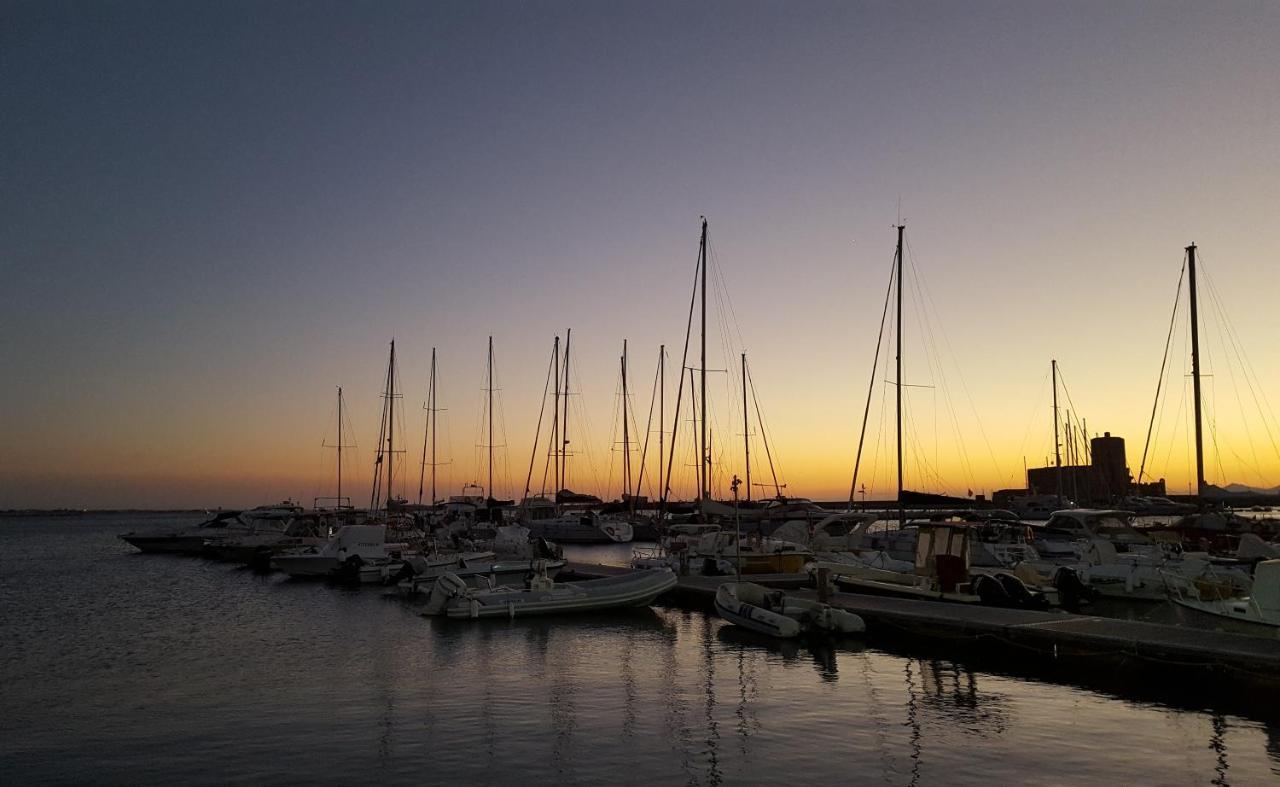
pixel 940 572
pixel 778 614
pixel 582 528
pixel 1038 507
pixel 543 596
pixel 1261 606
pixel 706 549
pixel 477 573
pixel 270 519
pixel 351 545
pixel 1068 530
pixel 399 564
pixel 1146 576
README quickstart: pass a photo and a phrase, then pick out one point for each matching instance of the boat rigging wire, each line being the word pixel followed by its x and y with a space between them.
pixel 684 362
pixel 875 362
pixel 528 481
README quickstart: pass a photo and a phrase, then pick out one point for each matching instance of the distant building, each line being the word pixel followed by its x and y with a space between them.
pixel 1105 479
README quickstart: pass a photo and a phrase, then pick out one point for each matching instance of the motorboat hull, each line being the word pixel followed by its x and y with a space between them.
pixel 636 589
pixel 306 566
pixel 170 544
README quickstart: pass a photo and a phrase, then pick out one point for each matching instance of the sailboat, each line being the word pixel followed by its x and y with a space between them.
pixel 552 521
pixel 363 547
pixel 940 569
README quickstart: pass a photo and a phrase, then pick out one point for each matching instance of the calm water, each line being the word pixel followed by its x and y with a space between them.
pixel 119 667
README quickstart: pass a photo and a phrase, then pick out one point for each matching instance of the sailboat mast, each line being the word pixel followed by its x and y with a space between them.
pixel 339 446
pixel 746 430
pixel 1057 445
pixel 662 386
pixel 564 454
pixel 555 416
pixel 432 416
pixel 426 431
pixel 489 488
pixel 626 435
pixel 391 415
pixel 902 512
pixel 375 495
pixel 704 471
pixel 1195 367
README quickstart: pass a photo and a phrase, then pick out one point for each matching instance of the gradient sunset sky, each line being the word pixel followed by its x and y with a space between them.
pixel 212 214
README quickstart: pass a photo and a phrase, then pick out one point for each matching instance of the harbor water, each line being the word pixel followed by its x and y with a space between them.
pixel 118 667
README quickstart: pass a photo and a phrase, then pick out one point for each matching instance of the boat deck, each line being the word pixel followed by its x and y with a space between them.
pixel 1055 635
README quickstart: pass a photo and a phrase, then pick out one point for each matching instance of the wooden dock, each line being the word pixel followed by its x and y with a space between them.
pixel 1055 635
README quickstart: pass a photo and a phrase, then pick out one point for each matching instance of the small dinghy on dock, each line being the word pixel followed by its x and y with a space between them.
pixel 450 595
pixel 777 614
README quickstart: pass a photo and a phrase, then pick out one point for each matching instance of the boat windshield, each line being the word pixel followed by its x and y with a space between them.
pixel 1114 528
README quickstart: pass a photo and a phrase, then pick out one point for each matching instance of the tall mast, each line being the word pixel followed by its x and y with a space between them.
pixel 434 430
pixel 555 417
pixel 746 432
pixel 704 471
pixel 1057 445
pixel 375 495
pixel 1195 368
pixel 490 441
pixel 426 433
pixel 339 446
pixel 902 512
pixel 391 416
pixel 626 435
pixel 662 385
pixel 564 429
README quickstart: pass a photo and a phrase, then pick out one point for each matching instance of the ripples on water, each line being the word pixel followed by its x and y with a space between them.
pixel 129 668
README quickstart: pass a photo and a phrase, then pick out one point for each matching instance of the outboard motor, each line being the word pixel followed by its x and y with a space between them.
pixel 1019 594
pixel 349 570
pixel 446 588
pixel 1072 591
pixel 989 589
pixel 406 571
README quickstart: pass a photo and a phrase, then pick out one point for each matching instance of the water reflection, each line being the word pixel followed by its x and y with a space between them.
pixel 709 690
pixel 628 685
pixel 1218 743
pixel 951 690
pixel 675 718
pixel 913 721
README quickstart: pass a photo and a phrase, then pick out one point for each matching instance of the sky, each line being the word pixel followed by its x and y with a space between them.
pixel 213 214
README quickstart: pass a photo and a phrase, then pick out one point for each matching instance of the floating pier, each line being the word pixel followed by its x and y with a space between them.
pixel 1247 661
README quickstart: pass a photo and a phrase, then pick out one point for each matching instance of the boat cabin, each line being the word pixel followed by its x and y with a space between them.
pixel 942 553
